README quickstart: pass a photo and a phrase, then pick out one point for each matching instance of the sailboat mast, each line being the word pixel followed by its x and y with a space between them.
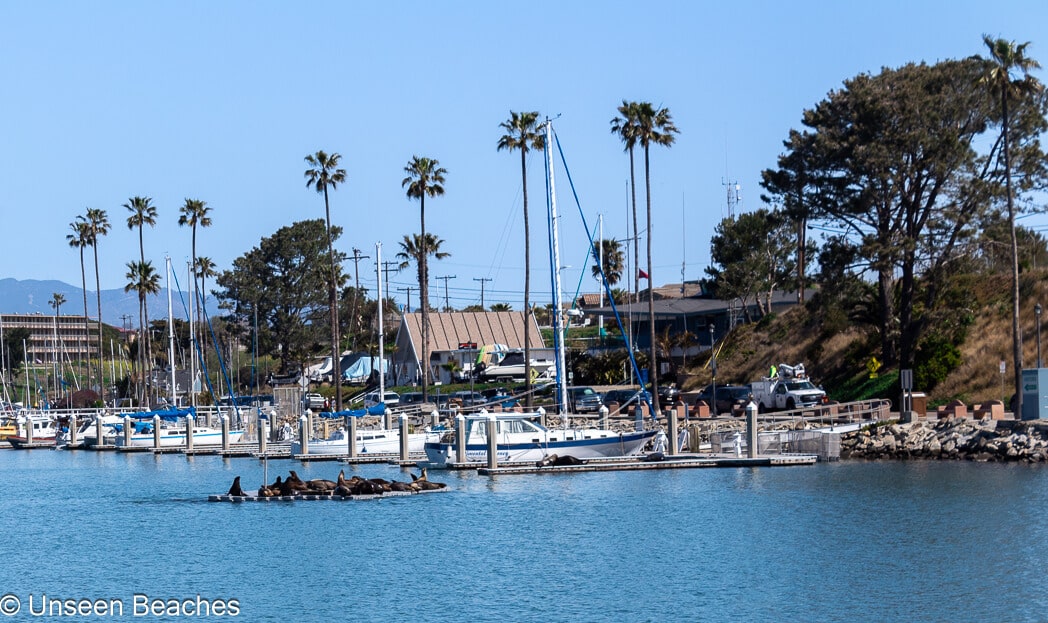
pixel 192 337
pixel 381 331
pixel 558 320
pixel 171 336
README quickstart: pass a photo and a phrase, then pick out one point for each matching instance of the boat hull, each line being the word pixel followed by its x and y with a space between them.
pixel 177 439
pixel 19 441
pixel 368 442
pixel 581 444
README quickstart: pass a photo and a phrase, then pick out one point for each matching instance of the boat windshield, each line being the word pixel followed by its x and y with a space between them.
pixel 479 427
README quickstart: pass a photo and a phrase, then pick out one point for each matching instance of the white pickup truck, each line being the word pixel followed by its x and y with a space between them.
pixel 787 387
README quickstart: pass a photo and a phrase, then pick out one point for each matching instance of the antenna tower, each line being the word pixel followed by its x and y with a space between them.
pixel 734 191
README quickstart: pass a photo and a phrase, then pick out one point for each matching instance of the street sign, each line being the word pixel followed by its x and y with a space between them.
pixel 906 379
pixel 1003 367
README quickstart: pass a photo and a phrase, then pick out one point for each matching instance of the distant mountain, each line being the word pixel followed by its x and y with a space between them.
pixel 31 296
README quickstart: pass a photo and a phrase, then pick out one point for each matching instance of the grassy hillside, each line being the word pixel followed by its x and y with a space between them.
pixel 839 358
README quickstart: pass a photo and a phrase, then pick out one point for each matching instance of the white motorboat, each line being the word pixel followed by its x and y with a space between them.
pixel 509 365
pixel 87 433
pixel 521 439
pixel 42 426
pixel 372 441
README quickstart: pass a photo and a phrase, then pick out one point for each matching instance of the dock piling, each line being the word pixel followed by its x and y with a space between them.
pixel 351 432
pixel 156 432
pixel 262 421
pixel 127 431
pixel 460 438
pixel 403 436
pixel 493 460
pixel 189 433
pixel 72 431
pixel 225 433
pixel 751 429
pixel 303 433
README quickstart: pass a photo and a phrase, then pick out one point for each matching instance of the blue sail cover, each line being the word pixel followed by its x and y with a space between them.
pixel 168 415
pixel 378 409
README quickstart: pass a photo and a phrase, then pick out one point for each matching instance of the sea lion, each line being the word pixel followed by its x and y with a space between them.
pixel 654 457
pixel 546 461
pixel 295 483
pixel 401 486
pixel 321 485
pixel 235 490
pixel 567 459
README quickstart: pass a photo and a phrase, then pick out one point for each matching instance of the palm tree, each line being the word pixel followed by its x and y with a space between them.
pixel 143 213
pixel 1008 57
pixel 503 307
pixel 654 127
pixel 57 299
pixel 425 178
pixel 612 260
pixel 522 133
pixel 195 213
pixel 143 279
pixel 79 239
pixel 98 225
pixel 626 127
pixel 323 172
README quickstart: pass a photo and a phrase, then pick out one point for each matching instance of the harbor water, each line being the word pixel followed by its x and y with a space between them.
pixel 890 541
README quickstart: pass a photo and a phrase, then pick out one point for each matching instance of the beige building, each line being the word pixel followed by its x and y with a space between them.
pixel 51 339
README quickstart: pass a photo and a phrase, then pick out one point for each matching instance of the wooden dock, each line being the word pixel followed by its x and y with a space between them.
pixel 680 461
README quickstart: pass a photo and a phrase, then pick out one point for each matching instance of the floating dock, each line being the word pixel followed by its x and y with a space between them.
pixel 236 499
pixel 680 461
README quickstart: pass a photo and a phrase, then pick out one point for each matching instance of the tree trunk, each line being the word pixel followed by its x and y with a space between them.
pixel 336 353
pixel 423 289
pixel 1017 347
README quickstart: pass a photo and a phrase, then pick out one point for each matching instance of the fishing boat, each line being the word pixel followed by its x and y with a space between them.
pixel 519 438
pixel 372 441
pixel 43 430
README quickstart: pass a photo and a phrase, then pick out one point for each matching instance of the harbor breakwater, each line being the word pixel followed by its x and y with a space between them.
pixel 952 438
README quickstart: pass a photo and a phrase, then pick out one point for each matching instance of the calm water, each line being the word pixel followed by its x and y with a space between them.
pixel 833 542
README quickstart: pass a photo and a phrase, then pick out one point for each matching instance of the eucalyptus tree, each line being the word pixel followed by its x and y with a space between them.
pixel 626 127
pixel 425 179
pixel 284 281
pixel 654 126
pixel 98 225
pixel 1008 59
pixel 522 134
pixel 323 173
pixel 142 279
pixel 143 213
pixel 79 240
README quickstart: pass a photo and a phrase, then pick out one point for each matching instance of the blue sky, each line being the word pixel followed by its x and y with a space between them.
pixel 221 101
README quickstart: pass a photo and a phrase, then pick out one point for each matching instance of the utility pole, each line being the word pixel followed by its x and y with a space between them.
pixel 356 295
pixel 447 306
pixel 385 271
pixel 409 289
pixel 482 280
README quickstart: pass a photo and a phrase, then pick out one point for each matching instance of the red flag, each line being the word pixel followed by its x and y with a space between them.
pixel 642 274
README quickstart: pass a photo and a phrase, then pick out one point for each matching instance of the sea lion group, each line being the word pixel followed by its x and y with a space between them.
pixel 295 486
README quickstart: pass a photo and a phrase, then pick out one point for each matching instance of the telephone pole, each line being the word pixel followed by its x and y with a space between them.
pixel 409 289
pixel 447 305
pixel 482 280
pixel 356 295
pixel 386 266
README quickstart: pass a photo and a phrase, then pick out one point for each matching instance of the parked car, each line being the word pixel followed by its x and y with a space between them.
pixel 410 398
pixel 728 397
pixel 626 398
pixel 391 399
pixel 668 395
pixel 583 400
pixel 315 402
pixel 468 399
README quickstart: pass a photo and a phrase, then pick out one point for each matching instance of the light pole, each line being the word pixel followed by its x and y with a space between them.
pixel 1037 309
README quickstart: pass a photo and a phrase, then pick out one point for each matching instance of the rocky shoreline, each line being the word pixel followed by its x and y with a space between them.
pixel 954 438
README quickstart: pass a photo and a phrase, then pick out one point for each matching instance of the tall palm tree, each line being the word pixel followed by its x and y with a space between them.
pixel 323 172
pixel 522 133
pixel 143 213
pixel 425 179
pixel 143 279
pixel 195 213
pixel 1008 57
pixel 98 225
pixel 626 128
pixel 654 127
pixel 57 299
pixel 79 239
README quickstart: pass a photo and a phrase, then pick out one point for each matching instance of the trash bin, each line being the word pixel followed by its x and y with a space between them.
pixel 919 403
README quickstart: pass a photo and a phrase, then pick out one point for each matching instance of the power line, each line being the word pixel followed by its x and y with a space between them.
pixel 408 289
pixel 445 278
